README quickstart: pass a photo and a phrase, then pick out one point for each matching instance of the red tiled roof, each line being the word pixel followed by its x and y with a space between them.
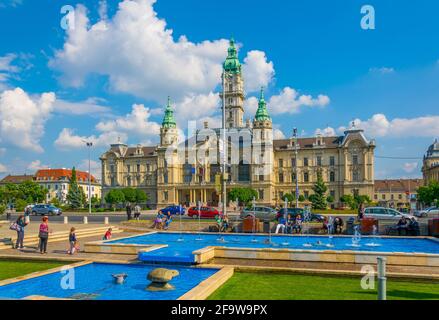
pixel 59 174
pixel 17 179
pixel 398 185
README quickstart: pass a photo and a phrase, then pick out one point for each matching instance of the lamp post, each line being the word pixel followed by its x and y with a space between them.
pixel 295 166
pixel 224 153
pixel 89 146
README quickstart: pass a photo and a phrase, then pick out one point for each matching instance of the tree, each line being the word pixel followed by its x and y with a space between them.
pixel 75 196
pixel 244 195
pixel 330 199
pixel 130 194
pixel 429 195
pixel 348 200
pixel 289 197
pixel 141 196
pixel 302 198
pixel 319 197
pixel 115 196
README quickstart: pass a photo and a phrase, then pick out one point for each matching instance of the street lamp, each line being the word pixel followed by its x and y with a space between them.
pixel 224 165
pixel 89 146
pixel 295 167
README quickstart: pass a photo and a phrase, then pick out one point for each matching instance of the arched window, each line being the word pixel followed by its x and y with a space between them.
pixel 244 172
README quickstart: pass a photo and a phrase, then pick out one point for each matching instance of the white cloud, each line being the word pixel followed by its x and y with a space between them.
pixel 136 123
pixel 379 126
pixel 95 167
pixel 196 107
pixel 327 132
pixel 22 118
pixel 10 3
pixel 278 134
pixel 36 165
pixel 382 70
pixel 7 69
pixel 145 59
pixel 3 168
pixel 287 101
pixel 257 70
pixel 90 106
pixel 2 151
pixel 409 167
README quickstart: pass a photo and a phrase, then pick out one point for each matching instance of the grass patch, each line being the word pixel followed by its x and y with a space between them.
pixel 16 268
pixel 265 286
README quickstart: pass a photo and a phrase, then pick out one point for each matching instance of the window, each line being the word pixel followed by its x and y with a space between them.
pixel 306 177
pixel 305 162
pixel 281 163
pixel 355 176
pixel 261 178
pixel 148 167
pixel 293 162
pixel 214 170
pixel 281 177
pixel 244 172
pixel 293 177
pixel 165 178
pixel 128 168
pixel 383 197
pixel 400 196
pixel 356 192
pixel 129 181
pixel 319 161
pixel 332 176
pixel 355 159
pixel 306 194
pixel 392 197
pixel 281 195
pixel 332 193
pixel 165 195
pixel 332 161
pixel 56 187
pixel 261 194
pixel 375 197
pixel 138 167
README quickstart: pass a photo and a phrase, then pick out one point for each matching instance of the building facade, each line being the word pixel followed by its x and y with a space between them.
pixel 188 172
pixel 57 182
pixel 397 193
pixel 430 168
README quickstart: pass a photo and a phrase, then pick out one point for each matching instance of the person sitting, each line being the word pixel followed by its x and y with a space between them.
pixel 225 224
pixel 413 227
pixel 158 221
pixel 167 222
pixel 338 225
pixel 281 225
pixel 290 224
pixel 298 224
pixel 107 235
pixel 402 225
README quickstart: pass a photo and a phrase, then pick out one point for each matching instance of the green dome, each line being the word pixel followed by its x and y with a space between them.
pixel 262 112
pixel 232 63
pixel 169 120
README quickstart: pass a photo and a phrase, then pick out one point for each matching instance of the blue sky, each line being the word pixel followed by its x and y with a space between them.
pixel 321 70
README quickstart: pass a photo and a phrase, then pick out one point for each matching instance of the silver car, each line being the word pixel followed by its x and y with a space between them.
pixel 429 212
pixel 384 213
pixel 45 209
pixel 261 213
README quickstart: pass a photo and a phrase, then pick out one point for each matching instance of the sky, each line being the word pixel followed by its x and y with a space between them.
pixel 107 75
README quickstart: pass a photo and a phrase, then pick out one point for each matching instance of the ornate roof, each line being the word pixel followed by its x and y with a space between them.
pixel 262 112
pixel 433 150
pixel 169 120
pixel 232 63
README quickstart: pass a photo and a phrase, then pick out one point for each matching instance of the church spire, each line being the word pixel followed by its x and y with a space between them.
pixel 232 63
pixel 169 120
pixel 262 112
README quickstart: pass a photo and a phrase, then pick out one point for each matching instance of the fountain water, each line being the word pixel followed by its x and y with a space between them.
pixel 254 220
pixel 356 238
pixel 330 232
pixel 375 237
pixel 199 222
pixel 180 239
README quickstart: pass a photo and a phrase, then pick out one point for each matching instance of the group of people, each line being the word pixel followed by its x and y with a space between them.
pixel 162 221
pixel 129 210
pixel 43 232
pixel 409 225
pixel 289 225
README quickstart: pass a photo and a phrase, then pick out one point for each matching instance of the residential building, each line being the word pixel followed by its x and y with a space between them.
pixel 397 193
pixel 430 168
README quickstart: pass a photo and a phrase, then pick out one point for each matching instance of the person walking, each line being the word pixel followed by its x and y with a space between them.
pixel 361 211
pixel 44 235
pixel 20 225
pixel 128 210
pixel 137 210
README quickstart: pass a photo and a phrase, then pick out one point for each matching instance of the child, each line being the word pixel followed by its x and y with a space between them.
pixel 168 222
pixel 73 241
pixel 107 235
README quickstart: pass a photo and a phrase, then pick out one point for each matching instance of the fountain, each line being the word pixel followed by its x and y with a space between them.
pixel 254 240
pixel 356 238
pixel 159 279
pixel 181 239
pixel 375 236
pixel 330 228
pixel 199 222
pixel 120 278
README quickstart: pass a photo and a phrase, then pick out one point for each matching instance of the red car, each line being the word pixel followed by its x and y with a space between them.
pixel 204 212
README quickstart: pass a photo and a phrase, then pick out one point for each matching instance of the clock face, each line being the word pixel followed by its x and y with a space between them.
pixel 354 147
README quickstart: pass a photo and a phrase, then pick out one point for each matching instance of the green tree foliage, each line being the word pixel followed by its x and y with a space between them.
pixel 2 209
pixel 318 199
pixel 141 196
pixel 244 195
pixel 115 196
pixel 130 194
pixel 28 191
pixel 75 196
pixel 429 195
pixel 354 202
pixel 302 198
pixel 330 199
pixel 289 197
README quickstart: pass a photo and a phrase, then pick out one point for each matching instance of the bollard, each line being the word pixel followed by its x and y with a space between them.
pixel 106 220
pixel 85 220
pixel 382 290
pixel 66 220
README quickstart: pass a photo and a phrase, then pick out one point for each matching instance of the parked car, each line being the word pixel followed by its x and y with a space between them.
pixel 262 213
pixel 296 211
pixel 203 212
pixel 174 210
pixel 432 211
pixel 384 213
pixel 46 209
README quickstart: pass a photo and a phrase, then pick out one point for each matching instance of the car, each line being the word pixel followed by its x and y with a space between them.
pixel 296 211
pixel 174 210
pixel 203 212
pixel 427 212
pixel 384 213
pixel 259 212
pixel 46 209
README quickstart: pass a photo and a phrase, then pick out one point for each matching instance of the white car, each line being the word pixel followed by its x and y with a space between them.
pixel 384 213
pixel 429 212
